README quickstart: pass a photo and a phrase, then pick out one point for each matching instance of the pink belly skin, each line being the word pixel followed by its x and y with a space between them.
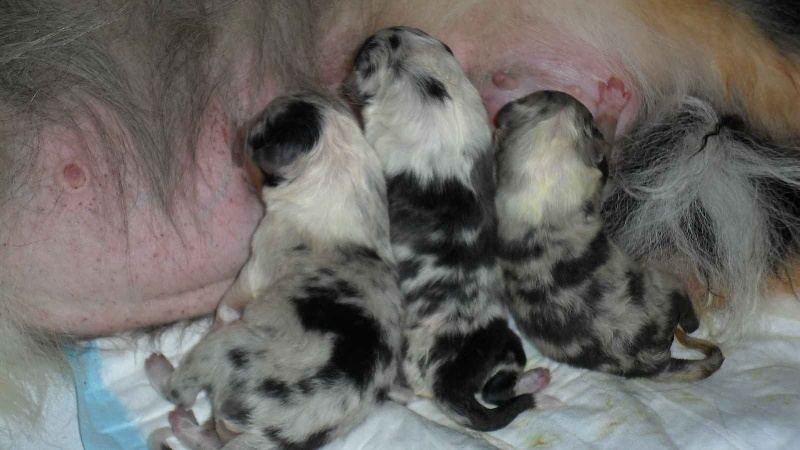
pixel 70 244
pixel 81 271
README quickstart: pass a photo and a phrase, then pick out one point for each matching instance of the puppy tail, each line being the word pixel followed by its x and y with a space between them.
pixel 467 411
pixel 693 369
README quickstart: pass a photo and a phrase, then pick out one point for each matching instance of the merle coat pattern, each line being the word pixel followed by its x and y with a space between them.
pixel 317 346
pixel 429 127
pixel 574 292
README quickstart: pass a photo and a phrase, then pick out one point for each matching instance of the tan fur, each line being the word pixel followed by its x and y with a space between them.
pixel 755 75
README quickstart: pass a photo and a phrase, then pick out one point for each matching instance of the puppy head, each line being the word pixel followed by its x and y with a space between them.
pixel 402 57
pixel 282 138
pixel 412 88
pixel 318 168
pixel 548 146
pixel 557 118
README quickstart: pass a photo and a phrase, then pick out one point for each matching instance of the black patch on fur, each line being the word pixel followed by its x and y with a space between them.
pixel 272 179
pixel 534 295
pixel 362 252
pixel 594 292
pixel 346 289
pixel 363 61
pixel 777 19
pixel 684 312
pixel 359 345
pixel 520 250
pixel 784 198
pixel 432 89
pixel 603 166
pixel 568 273
pixel 557 325
pixel 438 292
pixel 306 386
pixel 635 287
pixel 448 49
pixel 591 357
pixel 321 293
pixel 382 395
pixel 234 409
pixel 394 42
pixel 647 338
pixel 314 441
pixel 500 387
pixel 238 357
pixel 446 208
pixel 288 134
pixel 273 388
pixel 409 268
pixel 468 362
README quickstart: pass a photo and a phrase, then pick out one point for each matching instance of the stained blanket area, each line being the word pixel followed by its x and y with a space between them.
pixel 752 402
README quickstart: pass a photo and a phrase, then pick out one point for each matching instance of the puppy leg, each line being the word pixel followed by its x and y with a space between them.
pixel 532 381
pixel 401 394
pixel 160 439
pixel 181 386
pixel 252 442
pixel 231 306
pixel 190 433
pixel 158 370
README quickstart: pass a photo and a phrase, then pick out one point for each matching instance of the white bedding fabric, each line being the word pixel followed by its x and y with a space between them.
pixel 752 402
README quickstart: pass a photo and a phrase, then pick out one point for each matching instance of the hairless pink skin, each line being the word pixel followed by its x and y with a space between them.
pixel 185 426
pixel 81 269
pixel 532 381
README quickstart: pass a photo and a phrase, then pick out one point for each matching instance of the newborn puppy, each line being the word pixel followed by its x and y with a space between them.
pixel 430 129
pixel 573 292
pixel 317 346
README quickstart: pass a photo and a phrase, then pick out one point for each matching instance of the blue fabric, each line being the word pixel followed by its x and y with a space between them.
pixel 103 420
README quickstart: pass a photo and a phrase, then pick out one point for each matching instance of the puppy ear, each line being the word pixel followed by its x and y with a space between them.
pixel 503 118
pixel 289 130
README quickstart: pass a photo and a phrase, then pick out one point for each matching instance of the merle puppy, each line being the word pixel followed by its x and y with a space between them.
pixel 316 347
pixel 573 292
pixel 430 129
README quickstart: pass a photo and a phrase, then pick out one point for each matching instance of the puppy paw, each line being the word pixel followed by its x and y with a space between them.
pixel 162 439
pixel 401 395
pixel 190 433
pixel 227 314
pixel 158 369
pixel 532 381
pixel 183 421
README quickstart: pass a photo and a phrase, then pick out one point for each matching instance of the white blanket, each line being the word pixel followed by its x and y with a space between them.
pixel 752 402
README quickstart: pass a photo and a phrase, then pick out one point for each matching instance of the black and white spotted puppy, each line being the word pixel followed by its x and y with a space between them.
pixel 318 344
pixel 573 292
pixel 430 129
